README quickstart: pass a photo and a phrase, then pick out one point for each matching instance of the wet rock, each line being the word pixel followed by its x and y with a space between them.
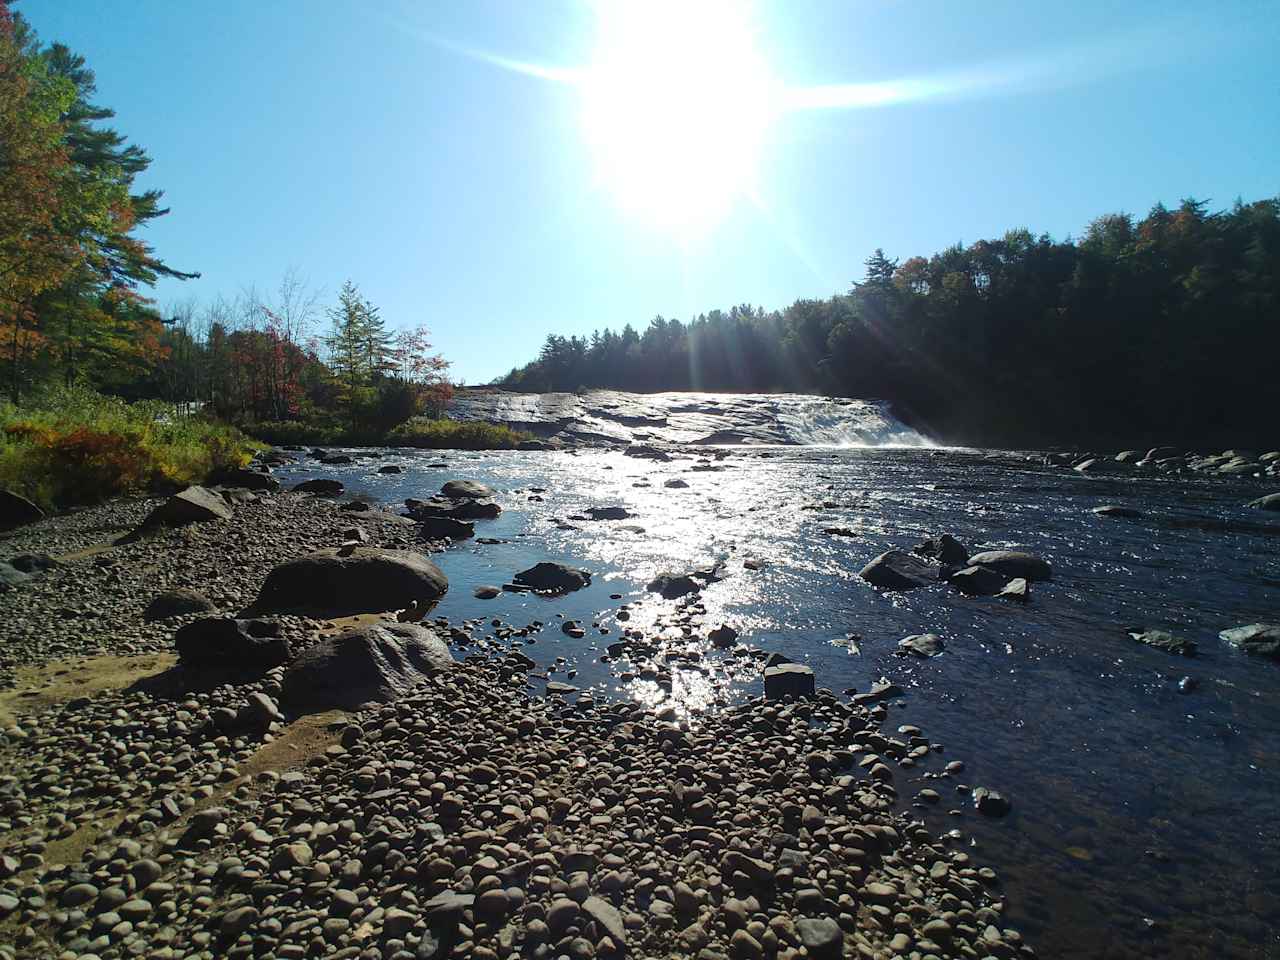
pixel 1165 641
pixel 1016 589
pixel 922 645
pixel 552 578
pixel 672 586
pixel 897 570
pixel 374 663
pixel 676 484
pixel 486 593
pixel 451 509
pixel 192 505
pixel 225 642
pixel 177 603
pixel 16 510
pixel 608 513
pixel 990 803
pixel 556 688
pixel 391 468
pixel 446 528
pixel 466 490
pixel 945 549
pixel 1270 502
pixel 723 636
pixel 1260 639
pixel 353 580
pixel 320 486
pixel 1014 563
pixel 788 680
pixel 978 581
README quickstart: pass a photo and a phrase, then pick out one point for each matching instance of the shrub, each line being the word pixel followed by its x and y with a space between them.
pixel 74 446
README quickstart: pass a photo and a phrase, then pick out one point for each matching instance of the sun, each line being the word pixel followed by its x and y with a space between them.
pixel 678 103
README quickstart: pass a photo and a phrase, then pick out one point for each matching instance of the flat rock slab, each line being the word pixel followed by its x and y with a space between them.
pixel 348 580
pixel 1014 563
pixel 373 663
pixel 899 570
pixel 1260 639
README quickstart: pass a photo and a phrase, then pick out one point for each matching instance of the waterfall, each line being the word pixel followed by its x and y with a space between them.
pixel 611 416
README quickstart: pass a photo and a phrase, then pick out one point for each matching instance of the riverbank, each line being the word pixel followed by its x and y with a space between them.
pixel 466 819
pixel 419 433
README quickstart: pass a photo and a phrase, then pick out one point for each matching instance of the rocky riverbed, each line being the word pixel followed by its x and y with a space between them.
pixel 164 808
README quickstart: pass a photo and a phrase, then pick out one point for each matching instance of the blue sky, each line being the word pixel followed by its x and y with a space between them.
pixel 502 170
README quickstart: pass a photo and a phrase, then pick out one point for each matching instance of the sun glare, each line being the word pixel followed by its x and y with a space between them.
pixel 677 106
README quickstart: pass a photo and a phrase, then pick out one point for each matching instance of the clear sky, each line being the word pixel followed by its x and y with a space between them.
pixel 505 170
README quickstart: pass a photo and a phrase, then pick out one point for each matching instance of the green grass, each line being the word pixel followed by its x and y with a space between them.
pixel 67 447
pixel 419 432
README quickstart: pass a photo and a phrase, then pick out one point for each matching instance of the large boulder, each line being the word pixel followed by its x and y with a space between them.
pixel 897 570
pixel 374 663
pixel 552 578
pixel 1270 502
pixel 348 580
pixel 225 642
pixel 322 486
pixel 1261 639
pixel 788 680
pixel 466 490
pixel 176 603
pixel 1014 563
pixel 192 505
pixel 16 510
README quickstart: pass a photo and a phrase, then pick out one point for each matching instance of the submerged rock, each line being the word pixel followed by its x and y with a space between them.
pixel 1270 502
pixel 1114 510
pixel 1014 563
pixel 225 642
pixel 1260 639
pixel 353 580
pixel 1163 640
pixel 898 570
pixel 375 663
pixel 16 510
pixel 552 578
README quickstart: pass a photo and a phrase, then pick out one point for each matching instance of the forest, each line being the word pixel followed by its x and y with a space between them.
pixel 74 274
pixel 1159 329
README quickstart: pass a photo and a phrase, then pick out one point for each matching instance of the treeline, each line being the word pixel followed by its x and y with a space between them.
pixel 260 361
pixel 73 276
pixel 1164 329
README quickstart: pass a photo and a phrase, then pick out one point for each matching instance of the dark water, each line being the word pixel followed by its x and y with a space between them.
pixel 1144 820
